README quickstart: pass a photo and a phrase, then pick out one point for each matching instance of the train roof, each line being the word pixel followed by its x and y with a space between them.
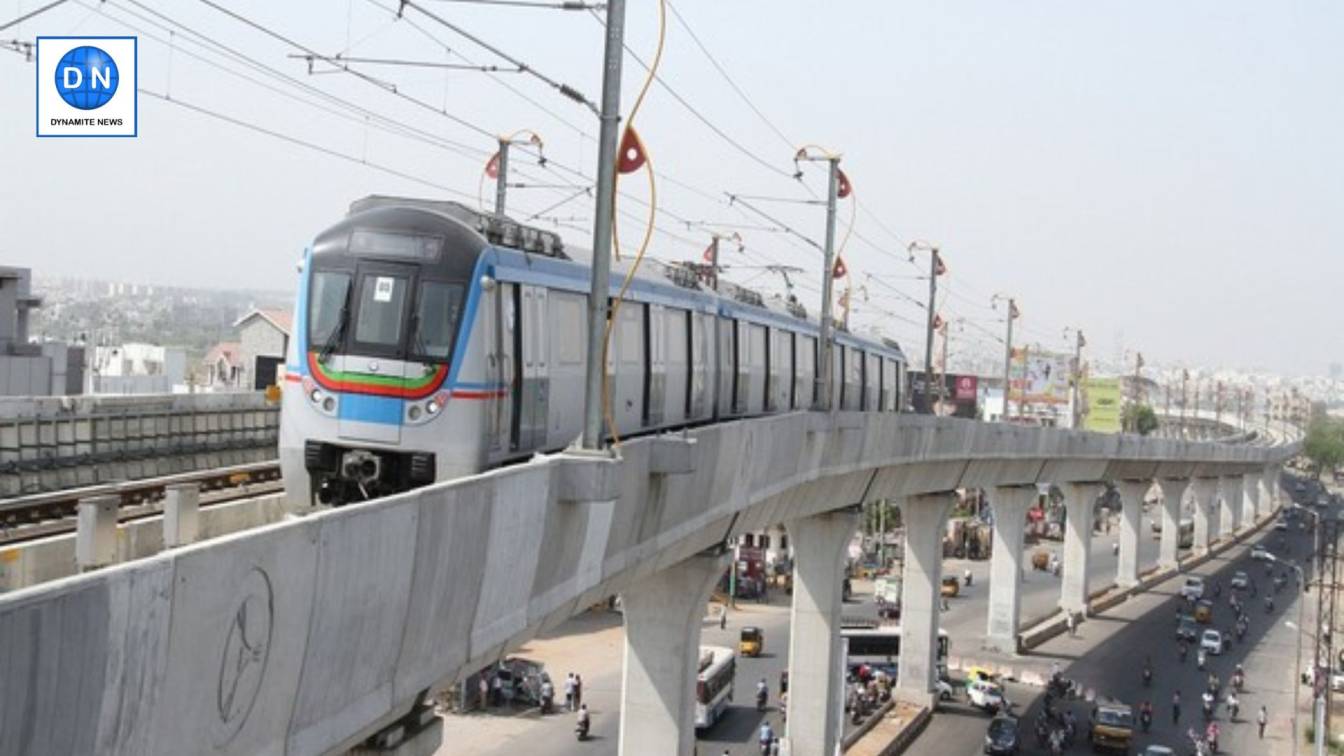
pixel 688 278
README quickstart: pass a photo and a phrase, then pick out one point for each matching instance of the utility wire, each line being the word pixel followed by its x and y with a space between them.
pixel 699 116
pixel 568 6
pixel 560 87
pixel 791 144
pixel 357 113
pixel 383 85
pixel 303 143
pixel 31 13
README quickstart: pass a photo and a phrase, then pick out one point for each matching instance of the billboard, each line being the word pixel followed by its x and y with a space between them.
pixel 1038 377
pixel 1103 402
pixel 961 394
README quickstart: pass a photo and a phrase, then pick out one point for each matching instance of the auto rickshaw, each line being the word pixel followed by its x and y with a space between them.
pixel 1040 560
pixel 1204 612
pixel 951 586
pixel 751 642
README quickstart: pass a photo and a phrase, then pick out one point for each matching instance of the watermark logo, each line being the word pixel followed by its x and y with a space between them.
pixel 86 86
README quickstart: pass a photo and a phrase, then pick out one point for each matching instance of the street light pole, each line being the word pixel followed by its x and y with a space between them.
pixel 931 316
pixel 600 290
pixel 1007 350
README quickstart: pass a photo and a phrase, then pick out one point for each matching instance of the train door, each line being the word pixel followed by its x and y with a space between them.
pixel 677 364
pixel 872 382
pixel 702 365
pixel 533 379
pixel 726 351
pixel 502 366
pixel 805 372
pixel 655 365
pixel 625 368
pixel 375 356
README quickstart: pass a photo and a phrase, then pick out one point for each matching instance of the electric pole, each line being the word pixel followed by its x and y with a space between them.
pixel 1007 351
pixel 942 377
pixel 825 370
pixel 714 263
pixel 935 267
pixel 1078 344
pixel 600 291
pixel 502 177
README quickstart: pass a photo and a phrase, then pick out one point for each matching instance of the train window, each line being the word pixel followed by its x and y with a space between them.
pixel 382 302
pixel 326 300
pixel 436 314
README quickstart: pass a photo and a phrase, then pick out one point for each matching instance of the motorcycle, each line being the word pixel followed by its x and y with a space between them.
pixel 762 696
pixel 1269 605
pixel 1238 680
pixel 1147 677
pixel 1208 707
pixel 1199 659
pixel 1146 719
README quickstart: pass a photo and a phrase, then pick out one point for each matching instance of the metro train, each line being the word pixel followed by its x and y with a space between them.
pixel 432 341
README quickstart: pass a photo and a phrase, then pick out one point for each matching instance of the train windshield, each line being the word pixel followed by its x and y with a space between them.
pixel 436 312
pixel 382 308
pixel 327 305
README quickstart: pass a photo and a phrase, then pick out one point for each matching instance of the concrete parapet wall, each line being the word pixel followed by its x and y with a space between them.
pixel 46 559
pixel 52 443
pixel 304 636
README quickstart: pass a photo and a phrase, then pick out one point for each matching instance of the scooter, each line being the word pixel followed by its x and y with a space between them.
pixel 1146 720
pixel 547 704
pixel 761 699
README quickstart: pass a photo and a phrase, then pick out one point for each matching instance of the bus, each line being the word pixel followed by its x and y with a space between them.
pixel 713 684
pixel 879 646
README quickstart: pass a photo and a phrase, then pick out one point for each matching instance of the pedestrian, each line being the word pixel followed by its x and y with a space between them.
pixel 1175 707
pixel 1071 624
pixel 569 692
pixel 484 687
pixel 1260 719
pixel 578 690
pixel 944 599
pixel 723 617
pixel 497 690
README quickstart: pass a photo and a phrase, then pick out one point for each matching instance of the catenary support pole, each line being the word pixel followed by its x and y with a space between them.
pixel 502 180
pixel 825 367
pixel 600 289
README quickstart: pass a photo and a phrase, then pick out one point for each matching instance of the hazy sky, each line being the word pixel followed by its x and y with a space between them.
pixel 1169 177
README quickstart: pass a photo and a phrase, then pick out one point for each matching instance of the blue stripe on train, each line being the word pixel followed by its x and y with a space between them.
pixel 370 409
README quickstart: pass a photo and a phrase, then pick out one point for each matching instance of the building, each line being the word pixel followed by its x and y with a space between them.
pixel 222 368
pixel 263 336
pixel 27 369
pixel 137 369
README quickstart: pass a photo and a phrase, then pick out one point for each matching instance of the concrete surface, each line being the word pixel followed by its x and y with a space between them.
pixel 308 635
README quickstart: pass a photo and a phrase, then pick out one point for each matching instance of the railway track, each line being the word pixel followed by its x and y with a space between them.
pixel 25 518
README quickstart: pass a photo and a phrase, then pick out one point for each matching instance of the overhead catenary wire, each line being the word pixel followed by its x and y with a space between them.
pixel 31 14
pixel 559 86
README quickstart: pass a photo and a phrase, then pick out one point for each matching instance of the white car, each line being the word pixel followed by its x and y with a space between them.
pixel 944 689
pixel 984 695
pixel 1260 552
pixel 1193 588
pixel 1240 581
pixel 1211 642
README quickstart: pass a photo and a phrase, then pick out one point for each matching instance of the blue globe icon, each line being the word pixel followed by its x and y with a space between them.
pixel 86 77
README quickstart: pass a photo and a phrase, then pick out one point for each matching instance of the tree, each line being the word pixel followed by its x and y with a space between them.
pixel 1324 445
pixel 1140 419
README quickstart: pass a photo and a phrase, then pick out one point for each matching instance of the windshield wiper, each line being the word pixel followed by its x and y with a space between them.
pixel 337 333
pixel 418 347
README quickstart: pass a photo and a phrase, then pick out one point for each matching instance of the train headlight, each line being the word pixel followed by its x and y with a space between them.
pixel 328 404
pixel 414 412
pixel 316 396
pixel 433 407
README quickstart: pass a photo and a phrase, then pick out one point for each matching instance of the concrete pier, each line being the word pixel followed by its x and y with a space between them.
pixel 815 677
pixel 1131 511
pixel 1229 494
pixel 1204 493
pixel 1080 501
pixel 925 517
pixel 1173 493
pixel 1005 565
pixel 96 534
pixel 663 613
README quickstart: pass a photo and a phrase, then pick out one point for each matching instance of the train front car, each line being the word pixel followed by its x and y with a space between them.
pixel 383 323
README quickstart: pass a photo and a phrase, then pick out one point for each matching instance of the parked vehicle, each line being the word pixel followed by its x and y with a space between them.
pixel 1240 581
pixel 1259 552
pixel 951 586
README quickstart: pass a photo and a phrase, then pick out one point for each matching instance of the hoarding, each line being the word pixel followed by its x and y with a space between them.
pixel 1101 397
pixel 960 396
pixel 1038 377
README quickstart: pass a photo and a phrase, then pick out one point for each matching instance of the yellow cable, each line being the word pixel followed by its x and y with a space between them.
pixel 648 228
